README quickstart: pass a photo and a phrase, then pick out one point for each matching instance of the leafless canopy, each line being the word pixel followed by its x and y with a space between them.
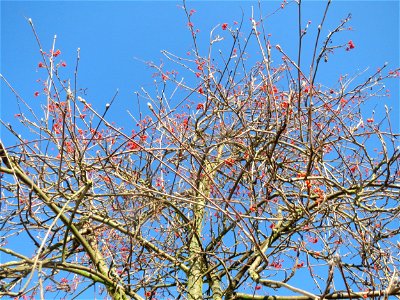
pixel 243 181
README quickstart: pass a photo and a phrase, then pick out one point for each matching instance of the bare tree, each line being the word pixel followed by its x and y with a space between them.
pixel 243 185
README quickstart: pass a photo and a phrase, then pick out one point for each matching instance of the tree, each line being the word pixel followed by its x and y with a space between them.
pixel 249 177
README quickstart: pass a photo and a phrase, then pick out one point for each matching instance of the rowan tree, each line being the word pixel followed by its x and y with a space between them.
pixel 245 179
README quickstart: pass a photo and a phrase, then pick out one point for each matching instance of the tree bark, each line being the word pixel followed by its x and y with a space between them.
pixel 195 277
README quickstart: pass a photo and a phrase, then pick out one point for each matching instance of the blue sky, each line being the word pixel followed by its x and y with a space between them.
pixel 112 34
pixel 116 37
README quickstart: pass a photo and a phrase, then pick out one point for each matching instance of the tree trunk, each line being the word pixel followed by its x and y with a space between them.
pixel 195 277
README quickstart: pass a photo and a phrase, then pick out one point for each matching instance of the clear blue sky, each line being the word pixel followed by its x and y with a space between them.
pixel 112 34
